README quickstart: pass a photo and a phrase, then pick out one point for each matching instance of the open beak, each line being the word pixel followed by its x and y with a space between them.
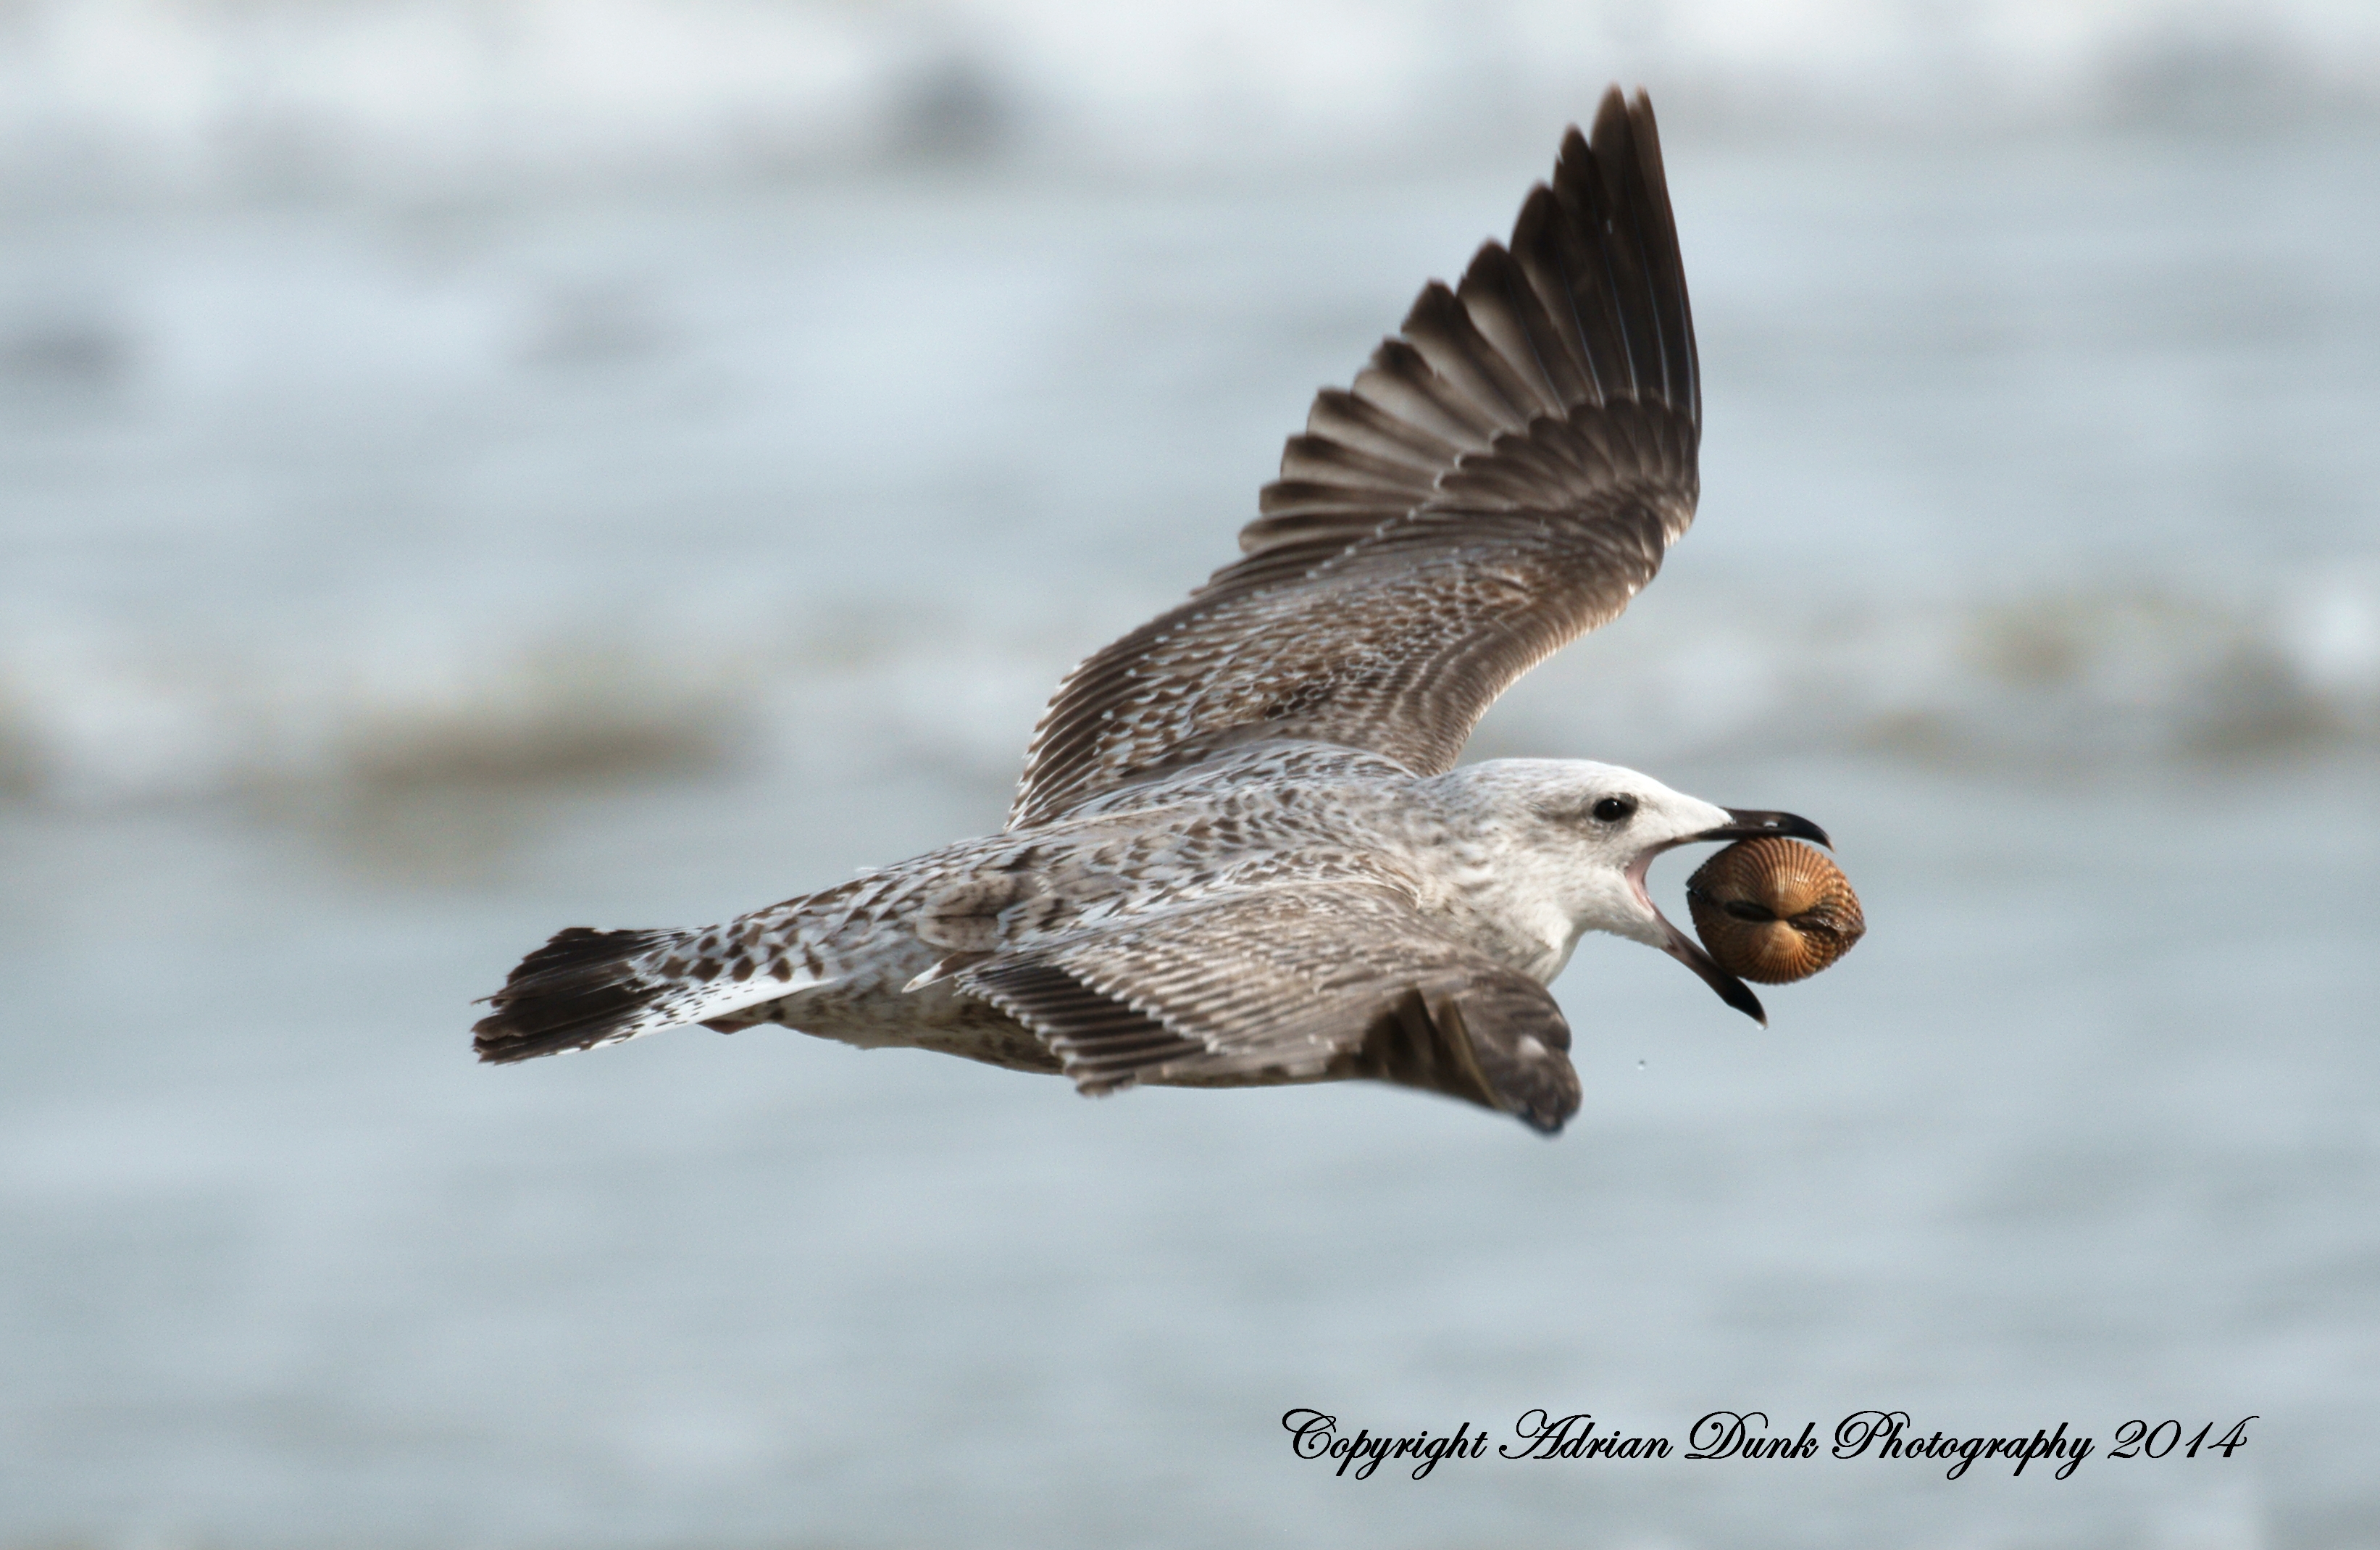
pixel 1743 823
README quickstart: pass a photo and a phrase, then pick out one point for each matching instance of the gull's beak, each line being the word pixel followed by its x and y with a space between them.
pixel 1743 823
pixel 1746 823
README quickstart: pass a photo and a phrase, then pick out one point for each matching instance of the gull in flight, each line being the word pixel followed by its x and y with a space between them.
pixel 1242 851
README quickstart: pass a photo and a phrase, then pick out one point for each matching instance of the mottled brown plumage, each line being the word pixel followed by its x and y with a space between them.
pixel 1240 851
pixel 1503 477
pixel 1231 989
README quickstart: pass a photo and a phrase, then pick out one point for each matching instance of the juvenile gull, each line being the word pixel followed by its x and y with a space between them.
pixel 1241 852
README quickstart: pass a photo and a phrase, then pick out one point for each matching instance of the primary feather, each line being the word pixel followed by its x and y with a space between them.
pixel 1503 477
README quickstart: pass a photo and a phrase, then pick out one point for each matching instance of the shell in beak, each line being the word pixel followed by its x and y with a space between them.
pixel 1773 910
pixel 1742 824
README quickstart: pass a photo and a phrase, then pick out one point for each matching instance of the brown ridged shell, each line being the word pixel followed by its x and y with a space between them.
pixel 1774 909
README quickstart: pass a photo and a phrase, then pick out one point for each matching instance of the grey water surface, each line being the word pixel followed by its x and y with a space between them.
pixel 387 585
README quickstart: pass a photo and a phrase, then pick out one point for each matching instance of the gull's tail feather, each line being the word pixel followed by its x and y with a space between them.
pixel 581 989
pixel 587 987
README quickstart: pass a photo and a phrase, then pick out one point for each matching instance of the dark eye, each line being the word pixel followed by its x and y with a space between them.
pixel 1615 810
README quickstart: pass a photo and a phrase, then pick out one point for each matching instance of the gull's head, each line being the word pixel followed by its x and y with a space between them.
pixel 1573 840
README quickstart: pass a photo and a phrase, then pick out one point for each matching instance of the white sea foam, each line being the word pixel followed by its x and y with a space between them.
pixel 2059 680
pixel 187 96
pixel 2019 452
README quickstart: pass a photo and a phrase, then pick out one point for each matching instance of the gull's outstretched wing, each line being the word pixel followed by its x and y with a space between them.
pixel 1310 982
pixel 1504 476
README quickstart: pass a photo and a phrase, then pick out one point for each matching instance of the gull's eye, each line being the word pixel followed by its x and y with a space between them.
pixel 1615 810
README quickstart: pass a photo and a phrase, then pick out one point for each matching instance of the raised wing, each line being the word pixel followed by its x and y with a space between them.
pixel 1504 476
pixel 1304 983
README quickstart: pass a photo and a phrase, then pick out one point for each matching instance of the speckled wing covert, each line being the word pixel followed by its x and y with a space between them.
pixel 1233 989
pixel 1504 476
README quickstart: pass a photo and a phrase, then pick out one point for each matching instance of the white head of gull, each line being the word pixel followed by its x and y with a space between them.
pixel 1564 845
pixel 1241 851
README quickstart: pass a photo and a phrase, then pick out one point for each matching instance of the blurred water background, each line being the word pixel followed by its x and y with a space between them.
pixel 474 466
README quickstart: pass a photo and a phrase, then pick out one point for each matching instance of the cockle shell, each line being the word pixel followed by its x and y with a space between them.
pixel 1774 909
